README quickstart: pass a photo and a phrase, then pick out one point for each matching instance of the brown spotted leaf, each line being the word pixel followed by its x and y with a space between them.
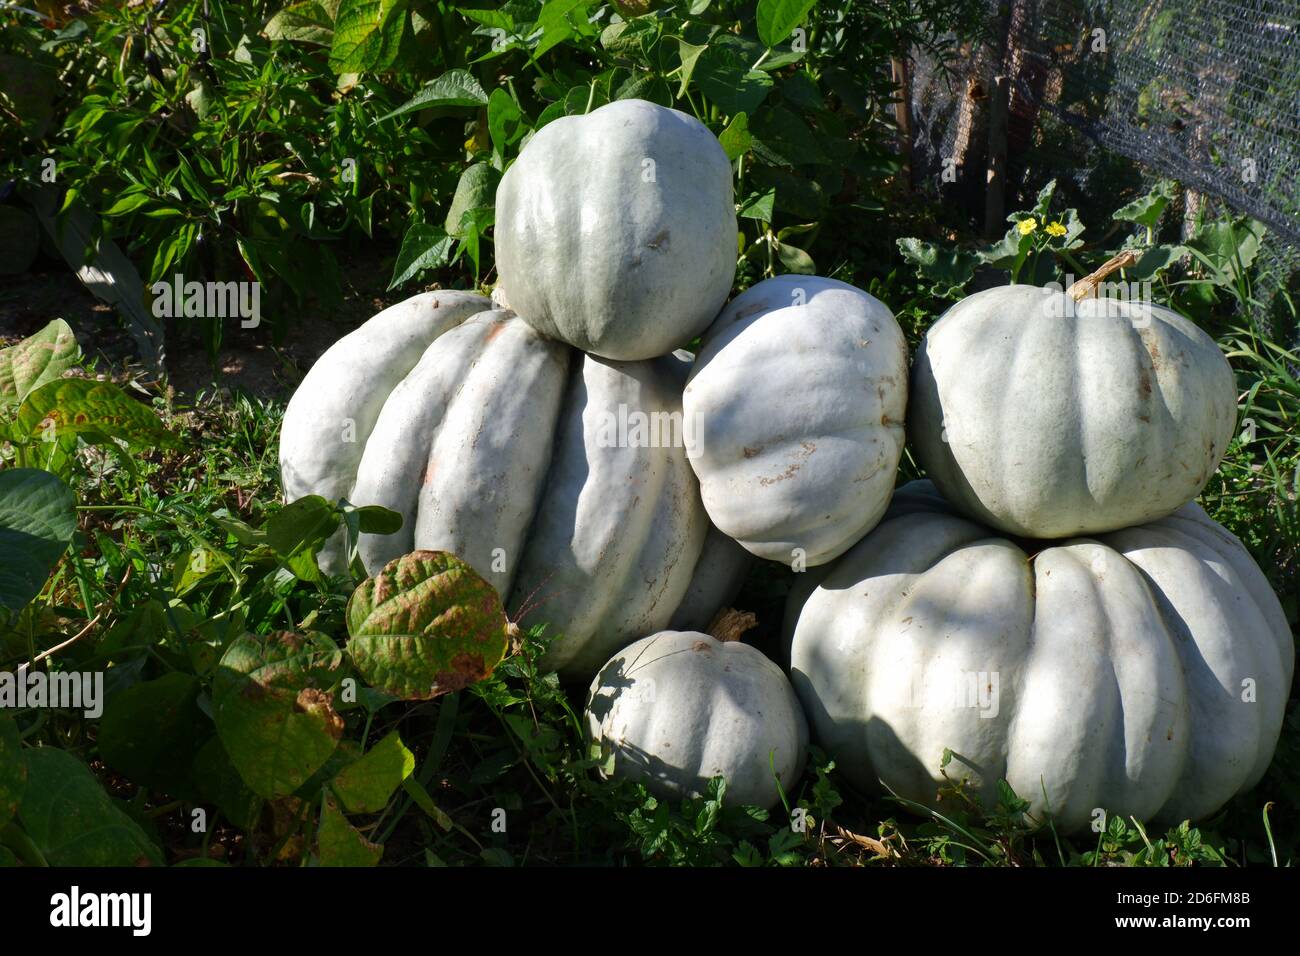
pixel 34 361
pixel 273 710
pixel 71 406
pixel 426 625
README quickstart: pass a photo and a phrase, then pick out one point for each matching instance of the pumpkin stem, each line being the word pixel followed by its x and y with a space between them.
pixel 1086 287
pixel 729 624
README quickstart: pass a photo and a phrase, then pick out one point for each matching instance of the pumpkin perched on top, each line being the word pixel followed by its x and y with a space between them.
pixel 615 232
pixel 1044 416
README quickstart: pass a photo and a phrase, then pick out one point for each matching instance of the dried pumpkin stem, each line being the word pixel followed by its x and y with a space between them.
pixel 729 624
pixel 1086 288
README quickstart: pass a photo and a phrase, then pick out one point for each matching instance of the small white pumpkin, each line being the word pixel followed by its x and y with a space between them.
pixel 1142 672
pixel 677 708
pixel 616 231
pixel 1047 417
pixel 796 403
pixel 504 448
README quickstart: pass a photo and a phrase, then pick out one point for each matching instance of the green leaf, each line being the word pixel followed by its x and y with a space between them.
pixel 946 270
pixel 37 523
pixel 274 716
pixel 690 54
pixel 128 203
pixel 423 247
pixel 453 88
pixel 13 769
pixel 1227 247
pixel 299 530
pixel 795 259
pixel 80 406
pixel 367 35
pixel 504 115
pixel 554 23
pixel 1154 261
pixel 783 139
pixel 73 822
pixel 307 22
pixel 776 19
pixel 367 785
pixel 339 843
pixel 220 783
pixel 36 360
pixel 735 139
pixel 148 732
pixel 727 81
pixel 426 625
pixel 758 206
pixel 1146 210
pixel 476 189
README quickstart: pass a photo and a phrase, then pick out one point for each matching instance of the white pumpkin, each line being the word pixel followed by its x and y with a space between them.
pixel 519 455
pixel 1045 417
pixel 796 406
pixel 616 231
pixel 1142 672
pixel 678 708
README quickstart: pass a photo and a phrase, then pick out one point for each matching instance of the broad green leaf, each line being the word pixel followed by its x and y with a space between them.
pixel 690 54
pixel 37 523
pixel 946 270
pixel 13 769
pixel 783 139
pixel 776 19
pixel 1146 210
pixel 1154 261
pixel 36 360
pixel 453 88
pixel 299 530
pixel 554 23
pixel 307 22
pixel 148 732
pixel 476 189
pixel 795 259
pixel 735 139
pixel 72 821
pixel 503 121
pixel 758 206
pixel 273 713
pixel 727 81
pixel 423 247
pixel 339 843
pixel 1227 247
pixel 81 406
pixel 367 785
pixel 220 783
pixel 367 35
pixel 426 625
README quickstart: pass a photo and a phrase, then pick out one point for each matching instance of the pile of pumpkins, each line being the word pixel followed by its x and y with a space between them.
pixel 1051 606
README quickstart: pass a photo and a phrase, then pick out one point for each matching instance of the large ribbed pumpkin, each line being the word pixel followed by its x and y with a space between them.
pixel 557 476
pixel 616 231
pixel 1047 417
pixel 796 405
pixel 1141 672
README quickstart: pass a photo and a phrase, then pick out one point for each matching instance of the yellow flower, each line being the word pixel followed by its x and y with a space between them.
pixel 1026 226
pixel 1056 229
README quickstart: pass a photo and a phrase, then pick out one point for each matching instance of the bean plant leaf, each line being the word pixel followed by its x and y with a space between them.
pixel 37 522
pixel 735 139
pixel 477 189
pixel 307 22
pixel 426 625
pixel 82 406
pixel 339 843
pixel 776 19
pixel 367 785
pixel 424 247
pixel 453 88
pixel 728 81
pixel 367 34
pixel 148 732
pixel 273 711
pixel 73 822
pixel 36 360
pixel 13 769
pixel 299 530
